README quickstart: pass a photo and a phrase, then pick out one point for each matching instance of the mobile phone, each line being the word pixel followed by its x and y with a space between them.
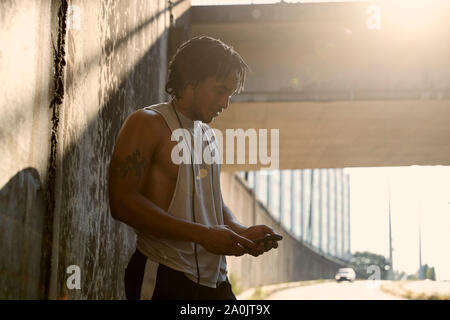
pixel 274 237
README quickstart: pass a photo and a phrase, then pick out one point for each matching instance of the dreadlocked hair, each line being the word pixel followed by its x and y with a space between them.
pixel 202 57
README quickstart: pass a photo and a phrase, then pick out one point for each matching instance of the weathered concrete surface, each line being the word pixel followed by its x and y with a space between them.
pixel 116 63
pixel 116 54
pixel 26 65
pixel 291 261
pixel 22 268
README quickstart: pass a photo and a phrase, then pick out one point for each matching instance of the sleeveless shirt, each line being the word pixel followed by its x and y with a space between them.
pixel 179 255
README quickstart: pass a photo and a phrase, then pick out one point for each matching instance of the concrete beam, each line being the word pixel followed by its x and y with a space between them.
pixel 347 133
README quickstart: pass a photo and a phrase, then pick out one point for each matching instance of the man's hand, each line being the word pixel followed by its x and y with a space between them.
pixel 222 240
pixel 257 232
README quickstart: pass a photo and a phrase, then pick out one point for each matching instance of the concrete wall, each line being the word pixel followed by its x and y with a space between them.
pixel 116 59
pixel 115 65
pixel 26 66
pixel 291 261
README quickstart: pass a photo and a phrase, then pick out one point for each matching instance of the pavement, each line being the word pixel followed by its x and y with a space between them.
pixel 358 290
pixel 260 293
pixel 419 290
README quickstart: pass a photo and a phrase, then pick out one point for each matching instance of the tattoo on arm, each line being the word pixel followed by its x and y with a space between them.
pixel 133 163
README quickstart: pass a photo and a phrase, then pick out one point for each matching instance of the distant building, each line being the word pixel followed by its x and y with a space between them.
pixel 312 204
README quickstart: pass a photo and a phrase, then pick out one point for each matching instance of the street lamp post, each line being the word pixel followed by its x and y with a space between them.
pixel 421 275
pixel 391 269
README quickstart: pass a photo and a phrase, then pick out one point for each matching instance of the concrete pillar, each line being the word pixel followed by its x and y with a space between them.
pixel 292 199
pixel 255 184
pixel 347 177
pixel 302 221
pixel 319 192
pixel 280 197
pixel 311 208
pixel 328 212
pixel 343 215
pixel 336 237
pixel 269 173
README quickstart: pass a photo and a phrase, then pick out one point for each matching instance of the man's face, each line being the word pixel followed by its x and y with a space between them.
pixel 212 95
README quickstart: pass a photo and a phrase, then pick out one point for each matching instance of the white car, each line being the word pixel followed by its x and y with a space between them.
pixel 345 274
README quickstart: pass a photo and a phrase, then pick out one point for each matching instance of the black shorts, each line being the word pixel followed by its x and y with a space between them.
pixel 164 283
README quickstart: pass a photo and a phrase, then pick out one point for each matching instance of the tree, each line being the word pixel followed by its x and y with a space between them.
pixel 362 262
pixel 429 272
pixel 424 272
pixel 400 275
pixel 412 277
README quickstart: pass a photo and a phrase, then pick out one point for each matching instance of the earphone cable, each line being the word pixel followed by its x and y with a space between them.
pixel 192 200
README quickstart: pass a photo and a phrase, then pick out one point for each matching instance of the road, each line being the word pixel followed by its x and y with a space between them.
pixel 358 290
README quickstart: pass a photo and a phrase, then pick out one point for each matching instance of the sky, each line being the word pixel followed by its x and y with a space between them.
pixel 416 192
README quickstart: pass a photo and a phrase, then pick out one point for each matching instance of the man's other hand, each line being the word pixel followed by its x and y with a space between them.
pixel 257 232
pixel 220 239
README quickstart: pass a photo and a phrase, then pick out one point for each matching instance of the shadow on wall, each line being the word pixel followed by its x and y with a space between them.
pixel 22 237
pixel 88 236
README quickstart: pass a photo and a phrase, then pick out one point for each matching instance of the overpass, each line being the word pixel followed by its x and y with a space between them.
pixel 347 85
pixel 343 92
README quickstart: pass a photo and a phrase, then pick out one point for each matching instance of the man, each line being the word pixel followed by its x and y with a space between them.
pixel 184 230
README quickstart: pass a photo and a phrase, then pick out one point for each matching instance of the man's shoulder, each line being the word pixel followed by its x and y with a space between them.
pixel 158 108
pixel 148 117
pixel 154 109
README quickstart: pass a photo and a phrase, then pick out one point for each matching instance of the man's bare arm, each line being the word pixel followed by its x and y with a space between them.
pixel 230 220
pixel 132 156
pixel 131 159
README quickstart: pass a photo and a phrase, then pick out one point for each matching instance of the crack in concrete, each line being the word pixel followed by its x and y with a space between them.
pixel 58 97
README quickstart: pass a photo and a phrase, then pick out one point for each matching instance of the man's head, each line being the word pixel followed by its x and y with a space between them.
pixel 203 74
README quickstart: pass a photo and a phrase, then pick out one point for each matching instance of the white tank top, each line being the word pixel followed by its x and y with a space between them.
pixel 179 255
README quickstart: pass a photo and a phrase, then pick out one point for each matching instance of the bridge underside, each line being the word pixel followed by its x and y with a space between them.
pixel 345 133
pixel 342 92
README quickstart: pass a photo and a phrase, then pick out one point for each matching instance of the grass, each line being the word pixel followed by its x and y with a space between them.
pixel 234 281
pixel 398 289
